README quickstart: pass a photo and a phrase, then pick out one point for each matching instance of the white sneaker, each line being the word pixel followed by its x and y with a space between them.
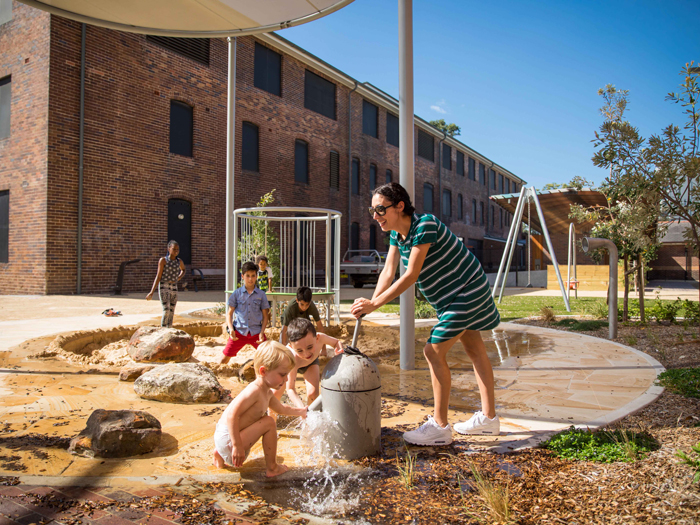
pixel 479 424
pixel 429 434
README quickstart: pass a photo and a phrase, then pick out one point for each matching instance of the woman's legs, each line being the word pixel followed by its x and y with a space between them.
pixel 476 350
pixel 440 375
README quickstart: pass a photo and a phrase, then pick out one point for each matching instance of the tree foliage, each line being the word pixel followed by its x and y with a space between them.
pixel 576 183
pixel 452 129
pixel 259 238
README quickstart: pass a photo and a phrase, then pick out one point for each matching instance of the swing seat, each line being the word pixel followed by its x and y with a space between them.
pixel 573 285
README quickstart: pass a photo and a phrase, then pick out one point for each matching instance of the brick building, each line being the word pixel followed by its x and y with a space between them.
pixel 154 149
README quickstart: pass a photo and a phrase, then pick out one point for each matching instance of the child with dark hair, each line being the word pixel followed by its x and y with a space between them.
pixel 306 345
pixel 265 274
pixel 303 307
pixel 247 315
pixel 170 271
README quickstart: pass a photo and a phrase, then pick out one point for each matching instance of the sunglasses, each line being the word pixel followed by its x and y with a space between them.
pixel 379 210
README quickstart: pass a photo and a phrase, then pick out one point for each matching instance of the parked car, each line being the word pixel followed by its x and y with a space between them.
pixel 362 266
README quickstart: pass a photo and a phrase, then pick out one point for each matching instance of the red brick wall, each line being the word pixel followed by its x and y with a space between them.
pixel 24 54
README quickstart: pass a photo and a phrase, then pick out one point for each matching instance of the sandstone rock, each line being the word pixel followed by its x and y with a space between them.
pixel 133 371
pixel 180 383
pixel 156 344
pixel 117 434
pixel 247 372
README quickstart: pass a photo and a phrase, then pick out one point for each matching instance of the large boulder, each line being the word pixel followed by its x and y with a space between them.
pixel 117 434
pixel 156 344
pixel 180 383
pixel 133 371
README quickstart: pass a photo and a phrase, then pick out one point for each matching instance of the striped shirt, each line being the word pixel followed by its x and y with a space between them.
pixel 451 278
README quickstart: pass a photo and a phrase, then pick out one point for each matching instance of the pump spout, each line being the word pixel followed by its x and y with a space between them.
pixel 316 405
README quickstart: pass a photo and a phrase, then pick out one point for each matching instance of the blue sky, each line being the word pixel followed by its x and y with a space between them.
pixel 521 77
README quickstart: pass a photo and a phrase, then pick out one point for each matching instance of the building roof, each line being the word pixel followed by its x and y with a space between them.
pixel 675 231
pixel 555 207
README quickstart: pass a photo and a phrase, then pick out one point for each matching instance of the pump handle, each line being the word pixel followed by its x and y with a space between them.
pixel 357 331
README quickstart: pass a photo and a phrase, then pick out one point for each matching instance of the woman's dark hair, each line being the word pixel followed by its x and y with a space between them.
pixel 299 328
pixel 396 193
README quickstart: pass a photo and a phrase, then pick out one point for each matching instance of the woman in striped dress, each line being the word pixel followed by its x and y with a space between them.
pixel 170 270
pixel 453 282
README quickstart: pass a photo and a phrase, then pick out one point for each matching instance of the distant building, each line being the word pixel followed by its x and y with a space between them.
pixel 154 152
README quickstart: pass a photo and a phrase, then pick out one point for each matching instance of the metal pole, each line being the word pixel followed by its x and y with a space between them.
pixel 336 286
pixel 519 211
pixel 511 234
pixel 592 243
pixel 568 262
pixel 545 232
pixel 231 227
pixel 328 253
pixel 298 254
pixel 406 169
pixel 81 147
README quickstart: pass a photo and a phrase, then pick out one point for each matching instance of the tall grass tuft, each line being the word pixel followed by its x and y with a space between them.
pixel 496 497
pixel 407 469
pixel 547 314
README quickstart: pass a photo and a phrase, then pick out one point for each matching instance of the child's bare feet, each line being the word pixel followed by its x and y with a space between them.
pixel 279 469
pixel 218 460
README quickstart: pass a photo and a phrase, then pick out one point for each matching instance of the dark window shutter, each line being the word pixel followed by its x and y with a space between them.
pixel 335 170
pixel 482 174
pixel 268 67
pixel 474 211
pixel 446 157
pixel 460 207
pixel 4 226
pixel 370 119
pixel 492 176
pixel 5 106
pixel 481 209
pixel 460 163
pixel 250 154
pixel 301 161
pixel 372 237
pixel 500 183
pixel 355 183
pixel 319 95
pixel 427 198
pixel 372 176
pixel 355 236
pixel 446 203
pixel 388 176
pixel 426 146
pixel 181 128
pixel 196 49
pixel 392 129
pixel 472 169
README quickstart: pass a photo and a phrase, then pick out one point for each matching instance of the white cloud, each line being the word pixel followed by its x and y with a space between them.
pixel 438 109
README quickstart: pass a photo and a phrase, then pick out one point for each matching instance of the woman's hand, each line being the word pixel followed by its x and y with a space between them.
pixel 362 306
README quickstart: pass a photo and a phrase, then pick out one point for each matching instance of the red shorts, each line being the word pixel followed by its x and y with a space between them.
pixel 233 347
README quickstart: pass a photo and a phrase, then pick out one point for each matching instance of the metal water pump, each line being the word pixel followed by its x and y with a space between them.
pixel 351 396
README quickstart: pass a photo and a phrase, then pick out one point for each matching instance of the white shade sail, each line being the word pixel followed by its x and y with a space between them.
pixel 191 18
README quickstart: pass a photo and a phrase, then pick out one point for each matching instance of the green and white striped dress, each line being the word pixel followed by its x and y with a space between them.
pixel 451 279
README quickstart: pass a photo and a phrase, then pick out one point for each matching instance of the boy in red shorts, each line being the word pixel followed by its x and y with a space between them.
pixel 247 315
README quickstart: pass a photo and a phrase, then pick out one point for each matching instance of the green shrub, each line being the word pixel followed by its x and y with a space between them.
pixel 598 310
pixel 219 309
pixel 691 311
pixel 602 446
pixel 665 310
pixel 683 381
pixel 424 310
pixel 692 461
pixel 579 325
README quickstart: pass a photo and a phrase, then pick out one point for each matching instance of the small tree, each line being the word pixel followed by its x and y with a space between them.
pixel 576 183
pixel 452 129
pixel 261 239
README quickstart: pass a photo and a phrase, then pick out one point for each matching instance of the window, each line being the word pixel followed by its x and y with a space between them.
pixel 335 170
pixel 501 214
pixel 474 211
pixel 482 174
pixel 500 184
pixel 492 176
pixel 181 128
pixel 319 95
pixel 460 163
pixel 355 183
pixel 388 176
pixel 481 212
pixel 372 237
pixel 196 49
pixel 460 207
pixel 507 185
pixel 370 119
pixel 426 146
pixel 427 198
pixel 472 169
pixel 392 129
pixel 493 216
pixel 446 203
pixel 4 226
pixel 446 157
pixel 355 236
pixel 5 11
pixel 372 176
pixel 301 161
pixel 249 157
pixel 268 70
